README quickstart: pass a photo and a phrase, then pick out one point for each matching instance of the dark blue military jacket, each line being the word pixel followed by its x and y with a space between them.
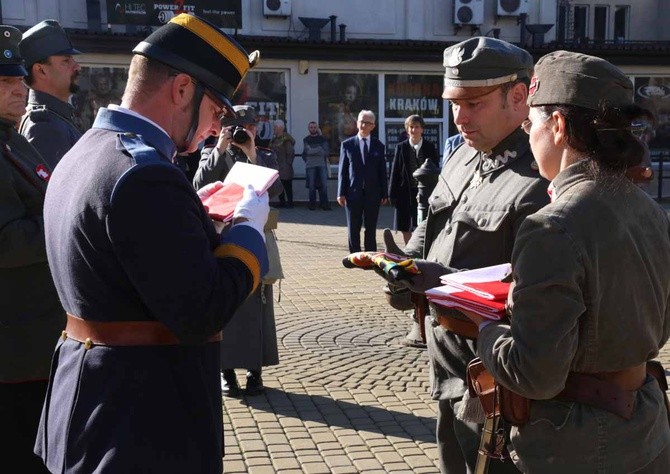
pixel 128 240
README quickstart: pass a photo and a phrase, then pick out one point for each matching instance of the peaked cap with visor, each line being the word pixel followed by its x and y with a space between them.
pixel 480 65
pixel 196 47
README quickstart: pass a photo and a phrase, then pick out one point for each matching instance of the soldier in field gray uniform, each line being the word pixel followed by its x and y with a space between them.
pixel 53 75
pixel 484 192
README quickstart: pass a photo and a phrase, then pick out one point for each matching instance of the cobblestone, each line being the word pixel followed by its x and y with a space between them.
pixel 346 397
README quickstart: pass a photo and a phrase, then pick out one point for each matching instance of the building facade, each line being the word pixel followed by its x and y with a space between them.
pixel 325 61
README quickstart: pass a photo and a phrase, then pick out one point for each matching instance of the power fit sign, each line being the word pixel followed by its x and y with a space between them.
pixel 223 13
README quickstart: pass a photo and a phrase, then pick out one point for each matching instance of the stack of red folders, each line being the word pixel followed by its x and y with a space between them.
pixel 482 291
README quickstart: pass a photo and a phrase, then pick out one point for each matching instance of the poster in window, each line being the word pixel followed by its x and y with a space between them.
pixel 266 92
pixel 341 98
pixel 654 94
pixel 410 94
pixel 395 133
pixel 98 87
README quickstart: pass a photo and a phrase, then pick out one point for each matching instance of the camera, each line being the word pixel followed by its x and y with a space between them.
pixel 240 135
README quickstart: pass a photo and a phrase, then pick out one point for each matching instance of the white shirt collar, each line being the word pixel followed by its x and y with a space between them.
pixel 124 110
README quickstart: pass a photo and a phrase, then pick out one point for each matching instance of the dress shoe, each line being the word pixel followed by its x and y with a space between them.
pixel 326 207
pixel 311 207
pixel 229 385
pixel 289 205
pixel 254 383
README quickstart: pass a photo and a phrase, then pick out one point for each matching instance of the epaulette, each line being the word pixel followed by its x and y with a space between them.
pixel 38 113
pixel 140 151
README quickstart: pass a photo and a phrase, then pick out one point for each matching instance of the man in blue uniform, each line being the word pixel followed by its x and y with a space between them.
pixel 146 281
pixel 53 75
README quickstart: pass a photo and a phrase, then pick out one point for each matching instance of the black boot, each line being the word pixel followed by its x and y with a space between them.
pixel 229 385
pixel 254 383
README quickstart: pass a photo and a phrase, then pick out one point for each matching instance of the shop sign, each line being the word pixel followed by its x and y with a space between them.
pixel 413 94
pixel 222 13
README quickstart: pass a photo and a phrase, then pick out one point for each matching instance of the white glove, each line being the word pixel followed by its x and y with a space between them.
pixel 209 189
pixel 254 209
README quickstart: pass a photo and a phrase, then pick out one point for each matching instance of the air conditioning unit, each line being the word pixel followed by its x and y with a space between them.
pixel 469 12
pixel 277 8
pixel 513 7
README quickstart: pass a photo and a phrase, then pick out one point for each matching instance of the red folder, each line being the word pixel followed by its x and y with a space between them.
pixel 221 205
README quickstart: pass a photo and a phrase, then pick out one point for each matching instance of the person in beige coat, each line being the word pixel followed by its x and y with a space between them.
pixel 591 301
pixel 283 145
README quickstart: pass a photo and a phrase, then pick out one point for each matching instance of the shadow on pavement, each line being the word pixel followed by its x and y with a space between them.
pixel 346 415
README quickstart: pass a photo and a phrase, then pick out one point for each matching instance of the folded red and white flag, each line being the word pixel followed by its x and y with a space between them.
pixel 485 282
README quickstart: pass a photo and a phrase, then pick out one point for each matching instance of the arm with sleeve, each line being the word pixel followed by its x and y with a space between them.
pixel 21 232
pixel 192 288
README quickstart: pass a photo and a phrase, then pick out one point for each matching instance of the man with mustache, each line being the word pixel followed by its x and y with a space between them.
pixel 53 75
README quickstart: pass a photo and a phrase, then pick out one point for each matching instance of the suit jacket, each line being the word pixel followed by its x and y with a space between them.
pixel 354 175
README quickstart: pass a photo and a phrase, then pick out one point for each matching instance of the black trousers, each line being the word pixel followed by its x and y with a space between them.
pixel 20 411
pixel 364 212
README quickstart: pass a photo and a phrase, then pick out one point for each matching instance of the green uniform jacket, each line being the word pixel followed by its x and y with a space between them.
pixel 470 226
pixel 592 294
pixel 31 317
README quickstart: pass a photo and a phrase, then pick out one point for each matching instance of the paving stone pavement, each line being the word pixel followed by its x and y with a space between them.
pixel 347 397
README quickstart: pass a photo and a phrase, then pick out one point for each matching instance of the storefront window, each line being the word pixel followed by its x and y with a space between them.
pixel 654 94
pixel 341 97
pixel 412 94
pixel 99 87
pixel 409 94
pixel 395 133
pixel 266 92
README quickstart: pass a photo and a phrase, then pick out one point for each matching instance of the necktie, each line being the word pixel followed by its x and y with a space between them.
pixel 366 150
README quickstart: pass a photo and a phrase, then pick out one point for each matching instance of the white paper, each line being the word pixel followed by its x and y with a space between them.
pixel 260 177
pixel 478 275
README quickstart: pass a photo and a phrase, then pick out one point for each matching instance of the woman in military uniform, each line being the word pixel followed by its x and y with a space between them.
pixel 590 305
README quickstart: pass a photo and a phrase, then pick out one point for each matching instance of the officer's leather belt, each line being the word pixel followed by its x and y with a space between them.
pixel 122 333
pixel 611 391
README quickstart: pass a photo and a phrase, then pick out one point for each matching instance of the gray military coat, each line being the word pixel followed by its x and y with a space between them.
pixel 49 126
pixel 474 215
pixel 250 337
pixel 31 316
pixel 592 294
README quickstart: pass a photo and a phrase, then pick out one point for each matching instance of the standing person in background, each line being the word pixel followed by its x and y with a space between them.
pixel 450 144
pixel 147 282
pixel 32 318
pixel 403 187
pixel 362 186
pixel 53 76
pixel 283 145
pixel 591 301
pixel 315 153
pixel 250 338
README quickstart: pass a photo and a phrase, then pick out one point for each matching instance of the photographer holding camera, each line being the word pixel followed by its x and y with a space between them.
pixel 236 142
pixel 250 338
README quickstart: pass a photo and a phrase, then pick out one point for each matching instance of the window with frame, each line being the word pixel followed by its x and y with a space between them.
pixel 621 16
pixel 600 14
pixel 580 21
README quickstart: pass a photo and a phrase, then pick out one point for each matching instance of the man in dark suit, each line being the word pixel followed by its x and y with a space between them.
pixel 362 184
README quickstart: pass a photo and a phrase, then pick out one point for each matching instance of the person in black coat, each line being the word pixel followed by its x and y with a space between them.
pixel 409 156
